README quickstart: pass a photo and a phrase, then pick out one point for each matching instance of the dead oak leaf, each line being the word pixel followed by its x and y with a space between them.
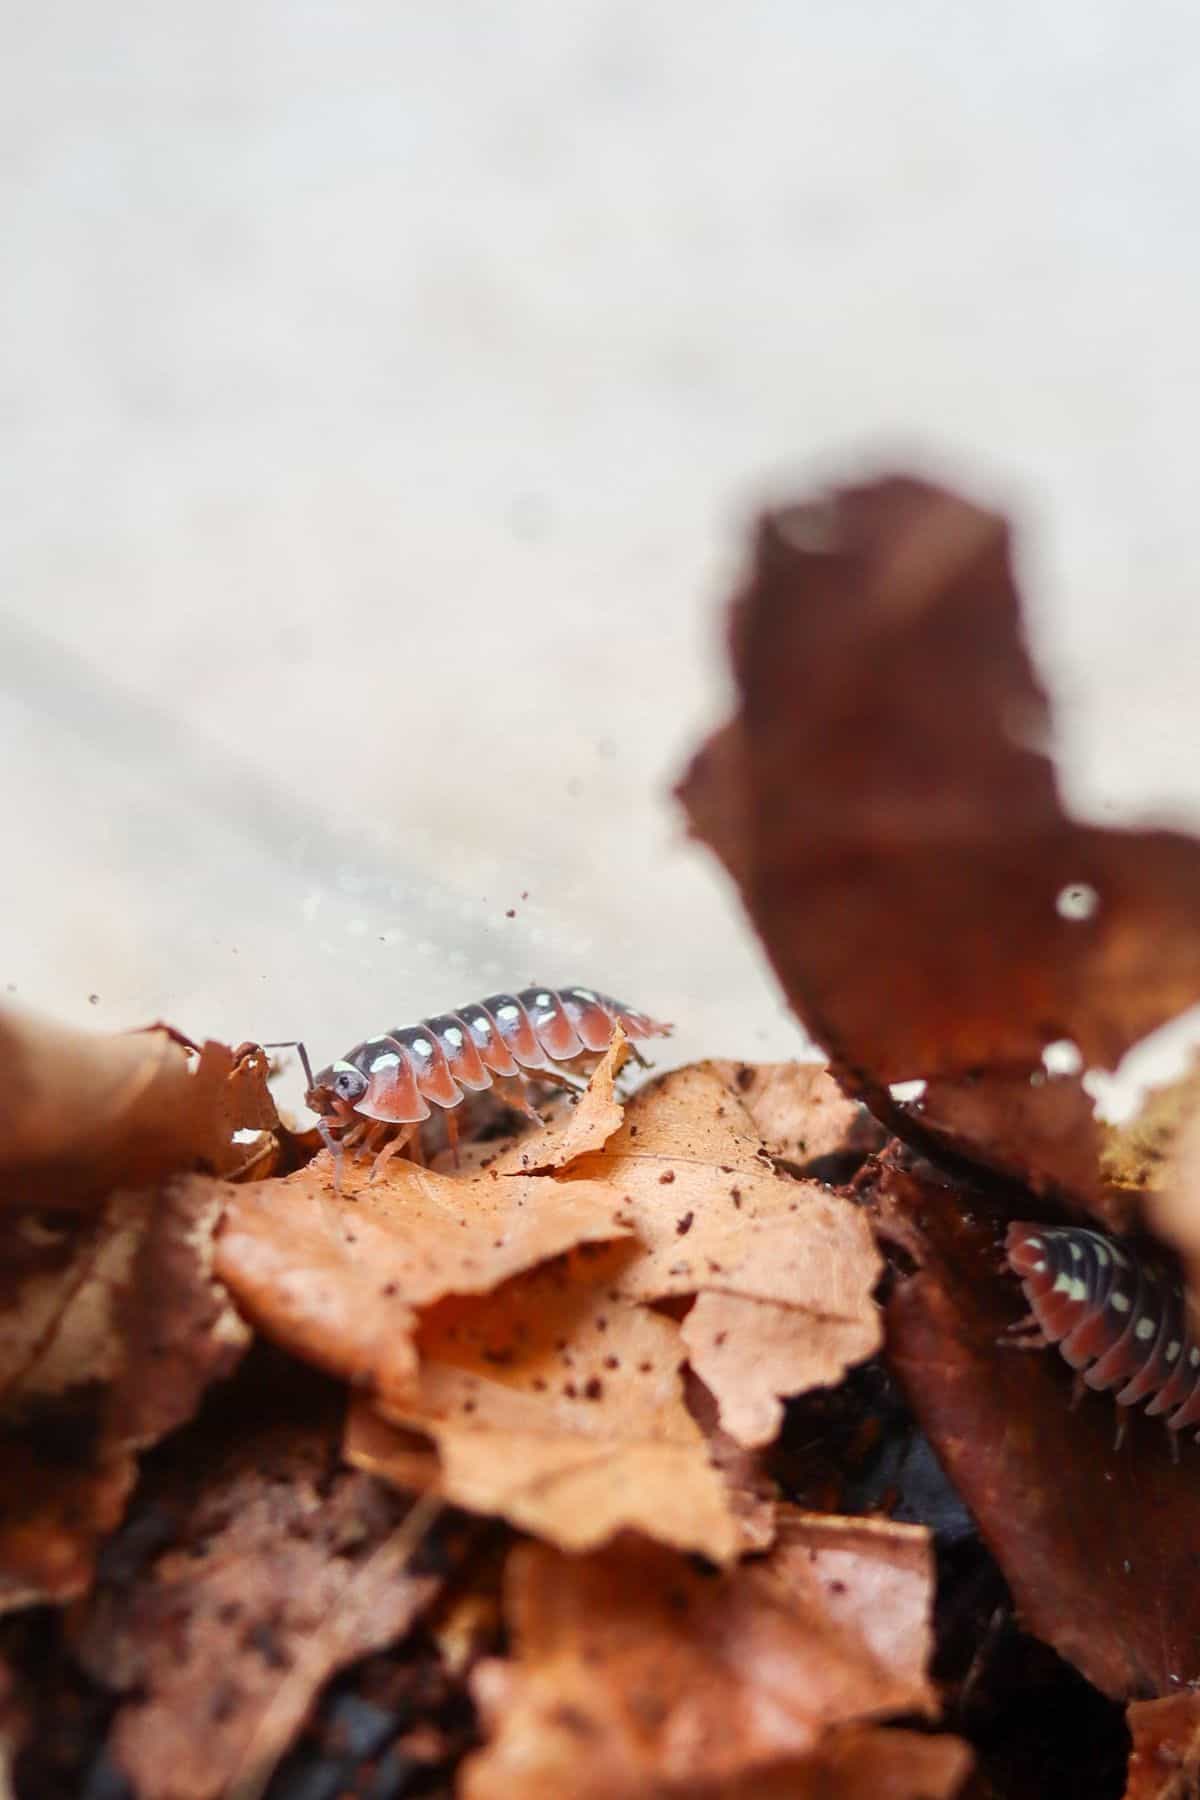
pixel 1096 1544
pixel 632 1674
pixel 554 1405
pixel 336 1277
pixel 895 830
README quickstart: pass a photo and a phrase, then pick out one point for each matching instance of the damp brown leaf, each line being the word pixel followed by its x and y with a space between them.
pixel 900 843
pixel 559 1408
pixel 336 1277
pixel 254 1569
pixel 633 1674
pixel 1096 1543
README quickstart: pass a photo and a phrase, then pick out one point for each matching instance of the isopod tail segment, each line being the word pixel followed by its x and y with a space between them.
pixel 1118 1316
pixel 502 1042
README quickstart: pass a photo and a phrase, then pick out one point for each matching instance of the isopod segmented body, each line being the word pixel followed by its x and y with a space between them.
pixel 395 1078
pixel 1118 1317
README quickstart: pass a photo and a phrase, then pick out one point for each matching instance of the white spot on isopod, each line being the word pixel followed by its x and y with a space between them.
pixel 1193 1356
pixel 1077 901
pixel 1119 1302
pixel 1039 1267
pixel 389 1060
pixel 543 1000
pixel 1145 1328
pixel 1076 1251
pixel 1101 1255
pixel 453 1035
pixel 422 1046
pixel 1173 1349
pixel 507 1012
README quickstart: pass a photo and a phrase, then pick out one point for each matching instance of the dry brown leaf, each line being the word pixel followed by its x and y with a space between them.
pixel 276 1572
pixel 335 1277
pixel 900 843
pixel 560 1409
pixel 585 1126
pixel 81 1114
pixel 802 1116
pixel 752 1489
pixel 753 1353
pixel 632 1674
pixel 1165 1761
pixel 784 1269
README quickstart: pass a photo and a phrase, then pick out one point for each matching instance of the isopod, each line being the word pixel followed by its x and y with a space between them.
pixel 392 1079
pixel 1119 1317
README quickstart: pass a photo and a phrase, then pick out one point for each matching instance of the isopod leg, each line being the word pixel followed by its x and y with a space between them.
pixel 398 1143
pixel 515 1093
pixel 452 1136
pixel 1026 1334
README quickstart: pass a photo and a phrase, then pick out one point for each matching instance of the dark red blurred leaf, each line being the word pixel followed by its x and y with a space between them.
pixel 1101 1547
pixel 900 843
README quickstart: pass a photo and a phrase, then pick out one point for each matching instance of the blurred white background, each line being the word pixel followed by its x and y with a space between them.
pixel 385 391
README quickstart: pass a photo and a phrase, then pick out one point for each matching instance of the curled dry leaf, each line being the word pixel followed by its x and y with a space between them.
pixel 896 832
pixel 243 1580
pixel 633 1674
pixel 585 1126
pixel 1165 1761
pixel 1097 1544
pixel 558 1408
pixel 81 1114
pixel 336 1277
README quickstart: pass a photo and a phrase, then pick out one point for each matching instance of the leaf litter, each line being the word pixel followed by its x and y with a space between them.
pixel 317 1485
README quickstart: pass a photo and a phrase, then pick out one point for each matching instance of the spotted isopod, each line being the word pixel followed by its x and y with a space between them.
pixel 390 1080
pixel 1119 1317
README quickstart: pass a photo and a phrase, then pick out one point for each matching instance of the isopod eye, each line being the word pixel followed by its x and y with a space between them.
pixel 350 1085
